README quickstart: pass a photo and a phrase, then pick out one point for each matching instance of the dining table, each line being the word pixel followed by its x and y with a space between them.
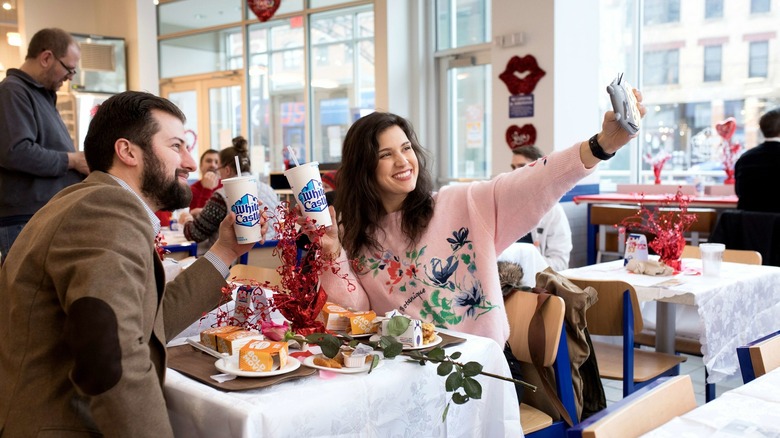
pixel 398 398
pixel 717 202
pixel 750 410
pixel 742 303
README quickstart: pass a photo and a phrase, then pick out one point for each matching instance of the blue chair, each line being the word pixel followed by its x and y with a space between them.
pixel 616 313
pixel 759 357
pixel 521 307
pixel 642 411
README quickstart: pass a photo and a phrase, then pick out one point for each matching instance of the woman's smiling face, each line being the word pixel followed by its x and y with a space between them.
pixel 396 169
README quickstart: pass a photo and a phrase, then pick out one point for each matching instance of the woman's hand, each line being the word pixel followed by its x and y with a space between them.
pixel 330 243
pixel 612 136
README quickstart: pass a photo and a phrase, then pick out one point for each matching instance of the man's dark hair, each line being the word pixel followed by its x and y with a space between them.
pixel 531 152
pixel 54 39
pixel 770 123
pixel 210 151
pixel 126 115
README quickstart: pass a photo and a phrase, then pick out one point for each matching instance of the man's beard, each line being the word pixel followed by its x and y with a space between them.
pixel 168 194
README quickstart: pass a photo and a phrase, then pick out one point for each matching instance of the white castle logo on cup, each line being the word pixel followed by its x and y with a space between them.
pixel 312 196
pixel 247 211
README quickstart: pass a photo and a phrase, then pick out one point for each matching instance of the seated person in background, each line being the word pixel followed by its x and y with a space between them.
pixel 86 311
pixel 164 217
pixel 552 235
pixel 209 181
pixel 756 170
pixel 204 227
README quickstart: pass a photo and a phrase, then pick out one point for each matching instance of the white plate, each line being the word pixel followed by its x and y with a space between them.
pixel 436 341
pixel 229 365
pixel 309 362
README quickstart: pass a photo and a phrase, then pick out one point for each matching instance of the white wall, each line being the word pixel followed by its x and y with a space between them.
pixel 563 37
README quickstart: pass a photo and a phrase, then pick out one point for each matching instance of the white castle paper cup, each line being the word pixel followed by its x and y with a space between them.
pixel 241 194
pixel 306 184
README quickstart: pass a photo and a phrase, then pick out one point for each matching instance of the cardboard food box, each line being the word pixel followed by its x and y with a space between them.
pixel 361 322
pixel 412 337
pixel 231 342
pixel 262 356
pixel 208 337
pixel 334 317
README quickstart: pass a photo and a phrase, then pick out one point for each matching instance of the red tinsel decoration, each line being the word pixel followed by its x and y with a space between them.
pixel 667 224
pixel 299 298
pixel 159 245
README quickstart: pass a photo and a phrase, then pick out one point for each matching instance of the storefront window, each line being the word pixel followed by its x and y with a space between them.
pixel 188 15
pixel 201 53
pixel 310 69
pixel 461 23
pixel 693 77
pixel 342 76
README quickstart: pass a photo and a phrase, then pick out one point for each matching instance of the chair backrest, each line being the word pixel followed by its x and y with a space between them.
pixel 642 411
pixel 730 255
pixel 759 357
pixel 520 307
pixel 611 214
pixel 605 317
pixel 256 273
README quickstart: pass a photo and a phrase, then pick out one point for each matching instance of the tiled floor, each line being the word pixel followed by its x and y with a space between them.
pixel 693 366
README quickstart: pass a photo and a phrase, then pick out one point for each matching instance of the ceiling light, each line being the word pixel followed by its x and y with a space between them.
pixel 14 39
pixel 7 6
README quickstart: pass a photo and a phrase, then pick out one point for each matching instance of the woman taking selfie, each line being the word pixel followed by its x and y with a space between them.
pixel 429 255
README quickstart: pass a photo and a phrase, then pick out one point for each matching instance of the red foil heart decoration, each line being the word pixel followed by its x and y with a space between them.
pixel 264 9
pixel 518 137
pixel 518 65
pixel 727 128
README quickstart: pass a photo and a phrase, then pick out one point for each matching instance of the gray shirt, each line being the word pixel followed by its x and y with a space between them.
pixel 34 143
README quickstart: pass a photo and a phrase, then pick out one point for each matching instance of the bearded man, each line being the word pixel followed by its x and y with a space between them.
pixel 86 311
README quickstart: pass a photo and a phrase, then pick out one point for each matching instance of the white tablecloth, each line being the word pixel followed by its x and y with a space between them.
pixel 739 306
pixel 399 399
pixel 752 410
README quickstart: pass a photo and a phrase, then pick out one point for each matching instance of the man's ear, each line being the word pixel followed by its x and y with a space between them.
pixel 45 58
pixel 127 153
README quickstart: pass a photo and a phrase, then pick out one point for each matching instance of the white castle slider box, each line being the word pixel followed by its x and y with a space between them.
pixel 412 337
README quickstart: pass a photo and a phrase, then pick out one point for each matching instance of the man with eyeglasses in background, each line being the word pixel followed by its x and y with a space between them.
pixel 37 154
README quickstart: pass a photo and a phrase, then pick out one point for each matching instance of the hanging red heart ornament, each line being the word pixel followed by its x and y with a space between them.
pixel 264 9
pixel 518 137
pixel 727 128
pixel 522 74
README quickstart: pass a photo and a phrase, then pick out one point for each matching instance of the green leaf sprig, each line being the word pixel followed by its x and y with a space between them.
pixel 460 376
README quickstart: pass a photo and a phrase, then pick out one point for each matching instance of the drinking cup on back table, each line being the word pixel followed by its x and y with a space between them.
pixel 306 184
pixel 241 194
pixel 711 258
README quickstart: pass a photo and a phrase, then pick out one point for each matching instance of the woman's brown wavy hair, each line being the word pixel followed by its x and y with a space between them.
pixel 358 202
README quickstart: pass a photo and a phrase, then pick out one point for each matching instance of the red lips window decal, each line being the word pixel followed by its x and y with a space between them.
pixel 516 68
